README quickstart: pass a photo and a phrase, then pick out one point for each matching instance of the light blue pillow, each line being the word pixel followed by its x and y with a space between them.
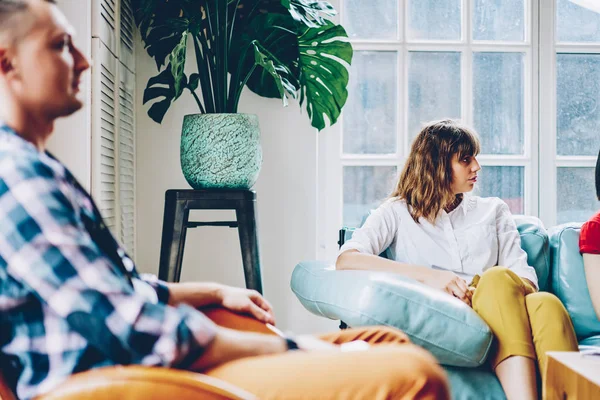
pixel 445 326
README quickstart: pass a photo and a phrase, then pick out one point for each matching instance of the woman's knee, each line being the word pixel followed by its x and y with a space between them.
pixel 544 304
pixel 497 281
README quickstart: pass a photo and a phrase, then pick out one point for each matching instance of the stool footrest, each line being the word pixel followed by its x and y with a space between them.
pixel 231 224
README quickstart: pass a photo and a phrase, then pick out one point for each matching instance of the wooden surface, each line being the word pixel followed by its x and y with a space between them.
pixel 572 376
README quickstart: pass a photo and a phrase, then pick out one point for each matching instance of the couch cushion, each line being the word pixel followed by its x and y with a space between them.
pixel 445 326
pixel 534 240
pixel 474 384
pixel 568 279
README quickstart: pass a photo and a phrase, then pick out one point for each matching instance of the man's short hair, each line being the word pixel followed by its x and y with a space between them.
pixel 10 10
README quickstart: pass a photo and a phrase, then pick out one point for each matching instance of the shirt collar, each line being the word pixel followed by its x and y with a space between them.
pixel 467 203
pixel 14 139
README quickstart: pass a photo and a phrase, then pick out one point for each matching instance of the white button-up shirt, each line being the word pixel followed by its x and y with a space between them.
pixel 479 234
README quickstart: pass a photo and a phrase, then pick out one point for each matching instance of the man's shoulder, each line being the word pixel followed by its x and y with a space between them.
pixel 18 163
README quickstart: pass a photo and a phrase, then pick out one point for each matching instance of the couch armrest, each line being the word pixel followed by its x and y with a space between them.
pixel 137 382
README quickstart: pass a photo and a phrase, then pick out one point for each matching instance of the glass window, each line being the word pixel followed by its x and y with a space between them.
pixel 373 19
pixel 499 20
pixel 504 182
pixel 578 104
pixel 365 188
pixel 434 86
pixel 575 194
pixel 498 98
pixel 434 19
pixel 577 22
pixel 370 114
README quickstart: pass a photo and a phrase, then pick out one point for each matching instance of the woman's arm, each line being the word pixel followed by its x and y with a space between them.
pixel 447 281
pixel 591 264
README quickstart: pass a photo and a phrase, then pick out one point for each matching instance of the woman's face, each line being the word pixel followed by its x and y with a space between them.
pixel 464 173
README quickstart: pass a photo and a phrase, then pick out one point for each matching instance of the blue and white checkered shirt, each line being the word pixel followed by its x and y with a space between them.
pixel 67 303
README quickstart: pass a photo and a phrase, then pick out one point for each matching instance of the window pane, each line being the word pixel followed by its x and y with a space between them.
pixel 575 194
pixel 370 115
pixel 501 20
pixel 364 189
pixel 576 23
pixel 433 88
pixel 498 97
pixel 504 182
pixel 433 19
pixel 373 19
pixel 578 104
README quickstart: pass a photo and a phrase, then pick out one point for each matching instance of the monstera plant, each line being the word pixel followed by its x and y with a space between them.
pixel 276 48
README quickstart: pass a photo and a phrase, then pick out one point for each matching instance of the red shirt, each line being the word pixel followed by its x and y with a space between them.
pixel 589 238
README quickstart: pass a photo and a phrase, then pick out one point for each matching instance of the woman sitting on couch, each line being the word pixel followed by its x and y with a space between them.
pixel 589 246
pixel 444 237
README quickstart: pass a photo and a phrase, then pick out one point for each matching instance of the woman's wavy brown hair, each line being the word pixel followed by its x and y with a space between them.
pixel 426 179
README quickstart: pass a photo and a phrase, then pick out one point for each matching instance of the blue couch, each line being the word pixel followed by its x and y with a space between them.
pixel 445 326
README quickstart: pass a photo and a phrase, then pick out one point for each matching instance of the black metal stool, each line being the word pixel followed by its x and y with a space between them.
pixel 178 204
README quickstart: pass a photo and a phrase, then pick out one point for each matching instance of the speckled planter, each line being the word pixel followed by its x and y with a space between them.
pixel 221 150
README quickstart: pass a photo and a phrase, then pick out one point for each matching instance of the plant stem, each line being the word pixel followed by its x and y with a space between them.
pixel 239 92
pixel 225 56
pixel 235 81
pixel 204 72
pixel 197 101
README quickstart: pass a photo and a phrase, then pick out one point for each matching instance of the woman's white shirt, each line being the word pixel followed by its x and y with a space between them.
pixel 479 234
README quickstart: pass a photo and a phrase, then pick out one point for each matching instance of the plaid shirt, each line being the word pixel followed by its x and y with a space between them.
pixel 67 303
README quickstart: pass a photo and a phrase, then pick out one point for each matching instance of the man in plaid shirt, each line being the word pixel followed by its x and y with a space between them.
pixel 71 299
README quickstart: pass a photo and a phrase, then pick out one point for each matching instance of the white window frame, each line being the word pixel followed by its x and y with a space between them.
pixel 549 160
pixel 331 159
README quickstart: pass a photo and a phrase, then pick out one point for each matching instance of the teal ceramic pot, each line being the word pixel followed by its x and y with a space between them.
pixel 221 151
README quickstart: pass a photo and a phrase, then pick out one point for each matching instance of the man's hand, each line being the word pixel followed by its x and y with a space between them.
pixel 248 302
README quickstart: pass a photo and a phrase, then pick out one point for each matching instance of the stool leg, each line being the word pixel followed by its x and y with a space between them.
pixel 173 238
pixel 246 217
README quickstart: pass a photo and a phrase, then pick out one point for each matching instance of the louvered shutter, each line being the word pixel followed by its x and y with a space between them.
pixel 105 22
pixel 126 55
pixel 127 158
pixel 105 134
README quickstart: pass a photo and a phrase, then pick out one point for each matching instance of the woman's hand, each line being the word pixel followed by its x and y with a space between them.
pixel 450 283
pixel 248 302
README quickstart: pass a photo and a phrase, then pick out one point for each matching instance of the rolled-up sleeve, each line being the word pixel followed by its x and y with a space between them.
pixel 376 234
pixel 510 253
pixel 48 250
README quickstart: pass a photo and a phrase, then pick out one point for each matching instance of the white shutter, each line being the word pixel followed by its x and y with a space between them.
pixel 126 55
pixel 113 117
pixel 105 134
pixel 127 158
pixel 105 19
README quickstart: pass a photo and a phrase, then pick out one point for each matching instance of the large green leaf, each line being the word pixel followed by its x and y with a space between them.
pixel 160 86
pixel 161 24
pixel 276 34
pixel 310 12
pixel 277 71
pixel 177 61
pixel 325 54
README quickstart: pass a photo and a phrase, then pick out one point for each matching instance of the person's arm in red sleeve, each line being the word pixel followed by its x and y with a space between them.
pixel 589 246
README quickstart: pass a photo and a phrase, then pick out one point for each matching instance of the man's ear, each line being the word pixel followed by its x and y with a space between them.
pixel 6 64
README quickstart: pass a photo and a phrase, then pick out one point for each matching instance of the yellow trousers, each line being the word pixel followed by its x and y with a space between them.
pixel 525 322
pixel 392 369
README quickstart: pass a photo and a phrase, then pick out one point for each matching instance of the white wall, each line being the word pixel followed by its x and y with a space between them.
pixel 287 201
pixel 71 141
